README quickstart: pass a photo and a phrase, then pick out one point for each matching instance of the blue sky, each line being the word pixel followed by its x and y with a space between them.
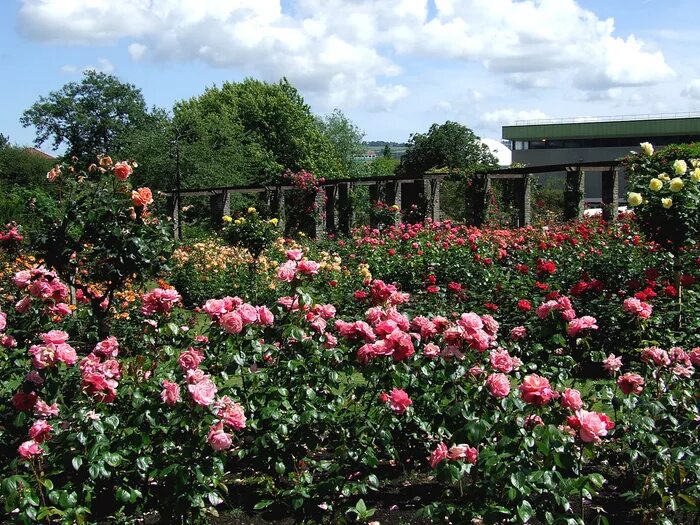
pixel 394 67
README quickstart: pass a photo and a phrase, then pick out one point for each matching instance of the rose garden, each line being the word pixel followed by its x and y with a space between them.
pixel 414 373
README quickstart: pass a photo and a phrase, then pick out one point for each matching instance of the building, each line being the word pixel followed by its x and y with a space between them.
pixel 541 142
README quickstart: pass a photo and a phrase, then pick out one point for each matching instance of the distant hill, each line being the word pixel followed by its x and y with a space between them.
pixel 382 143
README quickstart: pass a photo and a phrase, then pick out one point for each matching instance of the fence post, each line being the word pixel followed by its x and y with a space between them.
pixel 610 194
pixel 330 208
pixel 523 190
pixel 173 205
pixel 319 226
pixel 476 198
pixel 275 199
pixel 374 197
pixel 345 212
pixel 431 193
pixel 219 204
pixel 574 194
pixel 393 196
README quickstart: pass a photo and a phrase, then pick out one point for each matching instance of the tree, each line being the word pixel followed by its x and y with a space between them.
pixel 4 141
pixel 449 145
pixel 345 136
pixel 89 117
pixel 386 152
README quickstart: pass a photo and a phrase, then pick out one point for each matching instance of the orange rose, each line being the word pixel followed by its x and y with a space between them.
pixel 122 170
pixel 142 197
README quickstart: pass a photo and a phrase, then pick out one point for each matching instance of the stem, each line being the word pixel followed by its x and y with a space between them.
pixel 580 468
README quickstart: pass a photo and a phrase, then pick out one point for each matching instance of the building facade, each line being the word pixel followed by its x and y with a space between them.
pixel 596 139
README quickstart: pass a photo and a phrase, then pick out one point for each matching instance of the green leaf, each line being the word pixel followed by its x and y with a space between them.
pixel 525 511
pixel 263 504
pixel 77 462
pixel 280 468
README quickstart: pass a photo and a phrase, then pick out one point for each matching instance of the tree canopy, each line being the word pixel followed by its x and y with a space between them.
pixel 345 137
pixel 450 145
pixel 89 117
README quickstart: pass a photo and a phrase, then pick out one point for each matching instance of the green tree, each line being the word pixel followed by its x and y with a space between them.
pixel 386 152
pixel 345 137
pixel 88 117
pixel 4 141
pixel 450 145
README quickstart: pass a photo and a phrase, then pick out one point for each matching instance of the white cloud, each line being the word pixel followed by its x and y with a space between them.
pixel 103 66
pixel 347 51
pixel 692 89
pixel 504 117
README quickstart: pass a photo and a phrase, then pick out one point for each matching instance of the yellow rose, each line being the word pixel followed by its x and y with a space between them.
pixel 647 148
pixel 695 163
pixel 274 221
pixel 679 167
pixel 676 184
pixel 666 202
pixel 395 208
pixel 655 184
pixel 663 177
pixel 634 199
pixel 227 218
pixel 695 175
pixel 252 210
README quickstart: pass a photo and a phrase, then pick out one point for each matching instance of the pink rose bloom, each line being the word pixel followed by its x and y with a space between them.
pixel 42 356
pixel 683 371
pixel 631 383
pixel 478 340
pixel 656 355
pixel 99 388
pixel 265 316
pixel 457 452
pixel 490 325
pixel 29 449
pixel 569 314
pixel 517 333
pixel 61 309
pixel 544 309
pixel 290 303
pixel 536 390
pixel 231 413
pixel 476 371
pixel 287 271
pixel 331 341
pixel 159 300
pixel 203 392
pixel 612 363
pixel 399 401
pixel 23 304
pixel 582 323
pixel 41 408
pixel 431 351
pixel 593 427
pixel 232 322
pixel 327 311
pixel 470 322
pixel 218 439
pixel 215 307
pixel 194 376
pixel 694 356
pixel 248 313
pixel 66 354
pixel 7 341
pixel 107 347
pixel 571 399
pixel 402 345
pixel 501 361
pixel 54 337
pixel 308 267
pixel 498 385
pixel 122 170
pixel 3 321
pixel 678 355
pixel 384 328
pixel 171 393
pixel 22 278
pixel 634 306
pixel 531 421
pixel 40 431
pixel 438 455
pixel 294 255
pixel 190 359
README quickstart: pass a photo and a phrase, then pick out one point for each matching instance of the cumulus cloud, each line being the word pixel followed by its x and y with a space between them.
pixel 504 117
pixel 692 89
pixel 350 51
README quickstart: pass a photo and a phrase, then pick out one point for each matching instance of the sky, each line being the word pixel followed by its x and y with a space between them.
pixel 394 67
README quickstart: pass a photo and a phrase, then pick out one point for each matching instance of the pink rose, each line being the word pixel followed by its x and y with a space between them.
pixel 3 321
pixel 498 385
pixel 294 255
pixel 66 354
pixel 29 449
pixel 122 170
pixel 22 278
pixel 466 452
pixel 631 383
pixel 232 322
pixel 23 304
pixel 571 399
pixel 431 351
pixel 517 333
pixel 657 355
pixel 583 323
pixel 399 401
pixel 171 393
pixel 107 347
pixel 190 359
pixel 203 392
pixel 7 341
pixel 218 439
pixel 40 431
pixel 438 455
pixel 694 356
pixel 41 408
pixel 593 427
pixel 231 413
pixel 612 363
pixel 287 271
pixel 265 316
pixel 248 313
pixel 501 361
pixel 308 267
pixel 536 390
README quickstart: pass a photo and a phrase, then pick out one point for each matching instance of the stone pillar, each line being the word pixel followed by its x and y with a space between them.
pixel 431 193
pixel 610 194
pixel 523 190
pixel 476 198
pixel 345 212
pixel 220 205
pixel 330 208
pixel 393 197
pixel 574 202
pixel 275 200
pixel 374 197
pixel 319 214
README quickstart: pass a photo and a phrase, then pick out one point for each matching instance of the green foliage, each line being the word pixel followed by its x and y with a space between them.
pixel 345 137
pixel 251 232
pixel 90 117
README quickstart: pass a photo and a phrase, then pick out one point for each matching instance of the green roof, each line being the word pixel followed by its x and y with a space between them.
pixel 611 129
